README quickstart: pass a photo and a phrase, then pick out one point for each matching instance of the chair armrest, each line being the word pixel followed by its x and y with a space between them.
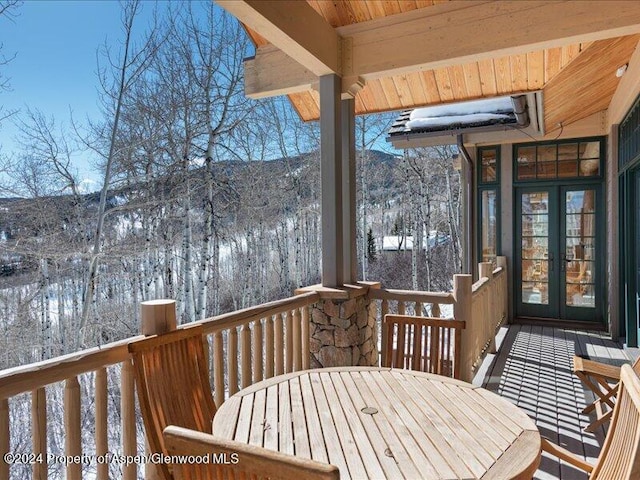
pixel 590 367
pixel 566 455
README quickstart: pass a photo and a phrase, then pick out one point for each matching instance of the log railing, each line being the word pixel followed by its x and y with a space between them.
pixel 487 312
pixel 482 305
pixel 245 346
pixel 406 302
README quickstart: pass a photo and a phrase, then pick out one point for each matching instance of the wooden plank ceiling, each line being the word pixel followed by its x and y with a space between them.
pixel 540 70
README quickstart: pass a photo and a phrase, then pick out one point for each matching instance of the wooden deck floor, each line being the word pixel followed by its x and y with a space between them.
pixel 533 369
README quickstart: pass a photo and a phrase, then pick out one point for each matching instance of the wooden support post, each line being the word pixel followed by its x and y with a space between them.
pixel 485 269
pixel 73 433
pixel 102 439
pixel 462 285
pixel 158 316
pixel 39 432
pixel 350 260
pixel 4 437
pixel 331 178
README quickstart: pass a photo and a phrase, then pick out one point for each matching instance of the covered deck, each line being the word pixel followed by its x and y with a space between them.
pixel 353 60
pixel 533 370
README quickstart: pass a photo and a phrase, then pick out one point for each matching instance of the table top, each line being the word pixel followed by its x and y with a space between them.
pixel 385 423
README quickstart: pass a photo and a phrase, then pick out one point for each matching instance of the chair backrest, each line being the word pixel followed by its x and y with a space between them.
pixel 230 459
pixel 422 343
pixel 173 386
pixel 620 455
pixel 636 366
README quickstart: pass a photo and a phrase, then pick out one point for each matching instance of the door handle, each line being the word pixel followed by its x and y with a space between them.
pixel 563 265
pixel 550 258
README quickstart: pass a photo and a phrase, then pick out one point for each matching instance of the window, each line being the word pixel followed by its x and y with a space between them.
pixel 488 203
pixel 629 137
pixel 561 160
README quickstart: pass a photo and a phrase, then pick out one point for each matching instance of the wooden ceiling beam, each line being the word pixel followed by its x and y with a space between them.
pixel 271 73
pixel 447 34
pixel 444 35
pixel 295 28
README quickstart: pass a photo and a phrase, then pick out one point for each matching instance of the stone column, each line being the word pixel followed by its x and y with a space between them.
pixel 343 329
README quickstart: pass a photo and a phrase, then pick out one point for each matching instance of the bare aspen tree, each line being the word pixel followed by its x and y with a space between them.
pixel 369 130
pixel 117 80
pixel 8 12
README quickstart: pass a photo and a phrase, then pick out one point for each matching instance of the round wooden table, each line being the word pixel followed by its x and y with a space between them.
pixel 385 423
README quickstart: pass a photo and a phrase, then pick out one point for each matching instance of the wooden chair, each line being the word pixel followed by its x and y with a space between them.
pixel 422 343
pixel 620 455
pixel 232 460
pixel 173 386
pixel 602 380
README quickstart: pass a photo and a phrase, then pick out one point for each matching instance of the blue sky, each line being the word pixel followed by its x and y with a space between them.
pixel 55 44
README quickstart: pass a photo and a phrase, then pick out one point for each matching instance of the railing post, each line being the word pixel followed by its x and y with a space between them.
pixel 218 368
pixel 305 338
pixel 504 297
pixel 39 432
pixel 4 436
pixel 101 434
pixel 485 269
pixel 127 407
pixel 462 285
pixel 156 317
pixel 73 438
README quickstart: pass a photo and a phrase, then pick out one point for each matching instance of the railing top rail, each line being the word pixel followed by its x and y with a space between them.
pixel 17 380
pixel 240 317
pixel 25 378
pixel 482 282
pixel 444 298
pixel 479 285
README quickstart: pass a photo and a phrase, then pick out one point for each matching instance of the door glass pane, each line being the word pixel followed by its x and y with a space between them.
pixel 535 248
pixel 579 259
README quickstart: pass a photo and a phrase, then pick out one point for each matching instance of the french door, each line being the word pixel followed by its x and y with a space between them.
pixel 559 271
